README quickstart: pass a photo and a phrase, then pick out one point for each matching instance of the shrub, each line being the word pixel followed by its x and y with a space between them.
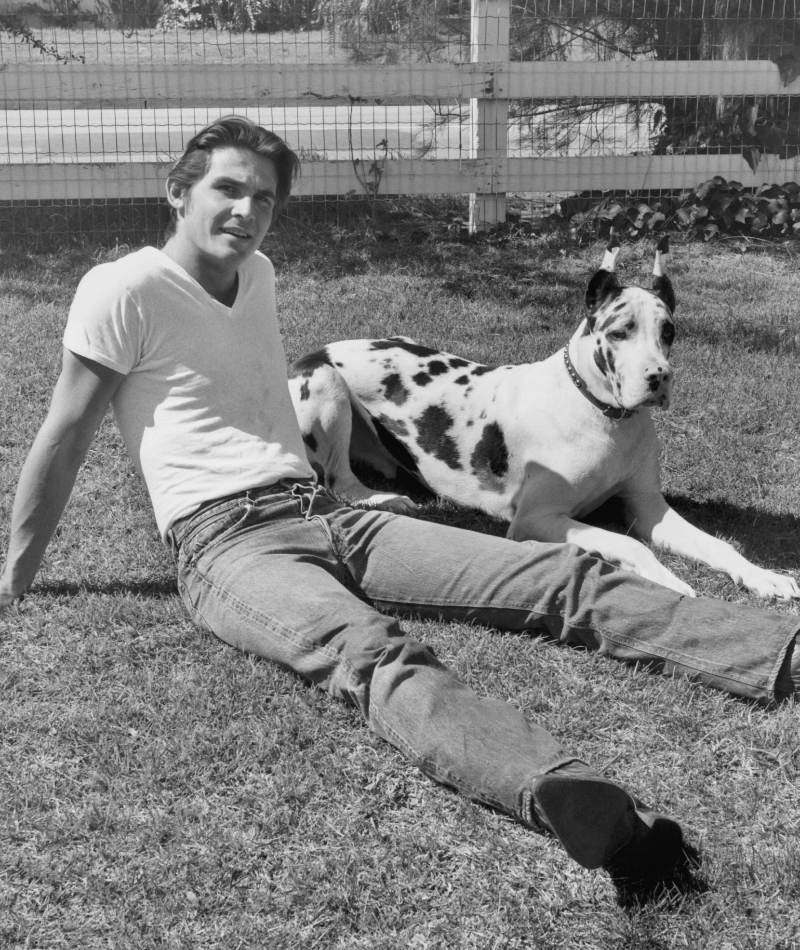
pixel 258 16
pixel 393 31
pixel 129 14
pixel 713 208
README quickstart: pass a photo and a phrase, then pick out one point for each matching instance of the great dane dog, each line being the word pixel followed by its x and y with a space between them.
pixel 539 444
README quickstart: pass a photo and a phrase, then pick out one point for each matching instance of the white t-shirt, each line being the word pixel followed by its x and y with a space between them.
pixel 204 409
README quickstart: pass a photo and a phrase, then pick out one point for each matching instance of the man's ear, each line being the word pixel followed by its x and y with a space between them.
pixel 176 195
pixel 603 286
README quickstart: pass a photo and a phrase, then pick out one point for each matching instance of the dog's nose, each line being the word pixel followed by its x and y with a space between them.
pixel 656 377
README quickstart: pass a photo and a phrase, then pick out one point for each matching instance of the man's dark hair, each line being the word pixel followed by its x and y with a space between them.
pixel 235 131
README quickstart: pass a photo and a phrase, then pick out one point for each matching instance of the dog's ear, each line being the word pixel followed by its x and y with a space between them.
pixel 612 249
pixel 602 286
pixel 662 285
pixel 662 288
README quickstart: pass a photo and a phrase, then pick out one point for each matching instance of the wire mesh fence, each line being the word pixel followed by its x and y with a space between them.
pixel 384 98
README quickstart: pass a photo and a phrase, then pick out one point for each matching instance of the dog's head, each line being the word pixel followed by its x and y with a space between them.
pixel 632 332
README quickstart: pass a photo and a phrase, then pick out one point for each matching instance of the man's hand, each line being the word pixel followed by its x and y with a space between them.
pixel 6 599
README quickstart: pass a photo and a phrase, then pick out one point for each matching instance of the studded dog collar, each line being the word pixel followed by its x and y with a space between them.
pixel 610 412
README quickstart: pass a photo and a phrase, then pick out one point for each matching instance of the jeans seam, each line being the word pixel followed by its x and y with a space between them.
pixel 696 665
pixel 215 510
pixel 430 768
pixel 689 661
pixel 297 639
pixel 242 511
pixel 271 624
pixel 525 812
pixel 203 518
pixel 773 677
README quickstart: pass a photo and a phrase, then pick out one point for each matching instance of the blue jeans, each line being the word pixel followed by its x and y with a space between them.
pixel 289 574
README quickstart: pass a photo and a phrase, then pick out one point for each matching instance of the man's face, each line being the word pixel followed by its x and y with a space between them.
pixel 225 215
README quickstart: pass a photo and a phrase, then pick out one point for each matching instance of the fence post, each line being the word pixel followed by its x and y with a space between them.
pixel 489 117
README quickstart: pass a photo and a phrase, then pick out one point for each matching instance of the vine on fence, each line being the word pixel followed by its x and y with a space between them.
pixel 22 34
pixel 714 208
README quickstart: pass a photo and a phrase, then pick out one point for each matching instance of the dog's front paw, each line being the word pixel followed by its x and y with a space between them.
pixel 769 585
pixel 666 578
pixel 397 504
pixel 641 560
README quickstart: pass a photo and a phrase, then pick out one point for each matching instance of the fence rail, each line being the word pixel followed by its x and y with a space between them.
pixel 106 181
pixel 161 86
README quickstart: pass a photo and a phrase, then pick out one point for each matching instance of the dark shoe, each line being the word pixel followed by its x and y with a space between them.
pixel 601 825
pixel 591 817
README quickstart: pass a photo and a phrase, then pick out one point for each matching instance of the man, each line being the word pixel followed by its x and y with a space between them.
pixel 184 344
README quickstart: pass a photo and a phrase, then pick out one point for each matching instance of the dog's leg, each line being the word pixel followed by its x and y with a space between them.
pixel 652 519
pixel 619 549
pixel 322 403
pixel 540 516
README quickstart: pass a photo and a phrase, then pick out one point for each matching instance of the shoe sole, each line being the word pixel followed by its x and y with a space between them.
pixel 592 819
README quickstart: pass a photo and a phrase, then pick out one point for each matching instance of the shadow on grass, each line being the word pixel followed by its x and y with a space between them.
pixel 155 587
pixel 670 892
pixel 762 535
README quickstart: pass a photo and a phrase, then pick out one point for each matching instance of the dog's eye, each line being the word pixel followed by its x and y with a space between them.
pixel 668 333
pixel 618 335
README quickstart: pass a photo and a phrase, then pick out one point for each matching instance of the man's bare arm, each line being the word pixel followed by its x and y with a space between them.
pixel 80 399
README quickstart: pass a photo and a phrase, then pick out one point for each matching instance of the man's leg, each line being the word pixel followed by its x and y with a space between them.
pixel 417 567
pixel 266 581
pixel 273 586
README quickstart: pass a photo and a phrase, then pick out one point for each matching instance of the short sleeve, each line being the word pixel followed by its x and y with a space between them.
pixel 266 278
pixel 104 322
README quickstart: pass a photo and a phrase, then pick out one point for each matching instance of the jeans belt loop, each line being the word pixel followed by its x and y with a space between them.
pixel 306 493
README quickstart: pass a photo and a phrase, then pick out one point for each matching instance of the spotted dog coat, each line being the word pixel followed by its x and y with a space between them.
pixel 439 416
pixel 539 444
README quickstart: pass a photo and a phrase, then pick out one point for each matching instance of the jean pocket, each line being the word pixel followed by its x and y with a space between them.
pixel 209 534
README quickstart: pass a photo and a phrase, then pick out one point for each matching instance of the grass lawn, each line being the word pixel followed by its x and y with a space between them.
pixel 160 790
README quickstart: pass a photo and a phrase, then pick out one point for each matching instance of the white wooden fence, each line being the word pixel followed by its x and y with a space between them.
pixel 487 83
